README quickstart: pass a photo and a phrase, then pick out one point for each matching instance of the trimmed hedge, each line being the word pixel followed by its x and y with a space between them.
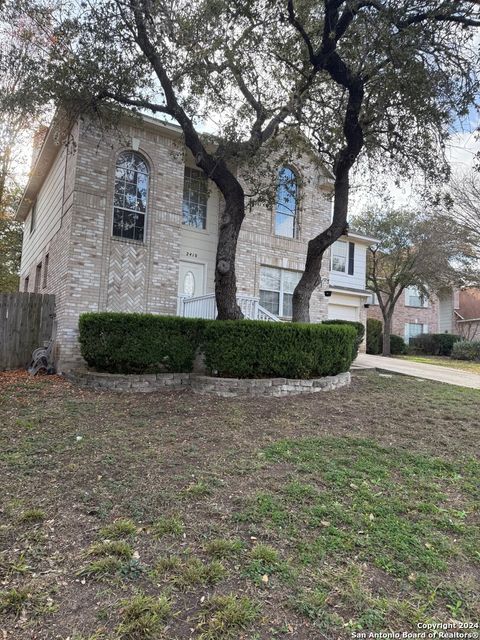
pixel 359 328
pixel 464 350
pixel 142 343
pixel 434 344
pixel 374 336
pixel 139 343
pixel 256 349
pixel 397 345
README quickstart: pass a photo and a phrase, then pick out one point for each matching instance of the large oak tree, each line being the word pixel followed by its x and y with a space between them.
pixel 381 78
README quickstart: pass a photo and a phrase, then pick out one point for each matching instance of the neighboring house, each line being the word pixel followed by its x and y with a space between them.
pixel 126 222
pixel 467 313
pixel 416 314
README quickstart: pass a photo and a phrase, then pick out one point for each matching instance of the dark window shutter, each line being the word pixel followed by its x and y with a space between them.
pixel 351 258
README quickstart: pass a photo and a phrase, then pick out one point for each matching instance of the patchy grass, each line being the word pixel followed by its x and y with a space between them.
pixel 32 516
pixel 116 548
pixel 168 526
pixel 143 617
pixel 119 529
pixel 224 617
pixel 102 568
pixel 166 565
pixel 223 549
pixel 443 361
pixel 14 600
pixel 196 573
pixel 210 518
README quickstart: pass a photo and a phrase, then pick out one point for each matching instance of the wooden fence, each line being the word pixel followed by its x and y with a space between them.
pixel 26 322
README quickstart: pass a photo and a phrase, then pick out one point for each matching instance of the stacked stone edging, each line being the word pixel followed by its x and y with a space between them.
pixel 145 382
pixel 224 387
pixel 229 387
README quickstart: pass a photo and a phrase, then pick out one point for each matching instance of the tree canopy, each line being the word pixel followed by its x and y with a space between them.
pixel 383 79
pixel 413 249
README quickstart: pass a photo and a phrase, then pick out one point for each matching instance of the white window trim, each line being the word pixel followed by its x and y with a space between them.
pixel 414 306
pixel 186 224
pixel 408 337
pixel 115 237
pixel 344 270
pixel 294 215
pixel 280 291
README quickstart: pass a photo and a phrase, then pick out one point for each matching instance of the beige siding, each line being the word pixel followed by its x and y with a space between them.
pixel 200 245
pixel 445 312
pixel 48 214
pixel 357 280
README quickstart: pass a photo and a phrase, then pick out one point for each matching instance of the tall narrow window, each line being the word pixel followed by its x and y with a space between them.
pixel 286 206
pixel 38 277
pixel 33 217
pixel 195 196
pixel 130 197
pixel 45 271
pixel 25 284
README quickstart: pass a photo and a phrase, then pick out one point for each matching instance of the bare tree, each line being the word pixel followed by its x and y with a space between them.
pixel 462 203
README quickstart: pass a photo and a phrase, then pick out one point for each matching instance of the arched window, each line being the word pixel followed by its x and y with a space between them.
pixel 286 205
pixel 130 198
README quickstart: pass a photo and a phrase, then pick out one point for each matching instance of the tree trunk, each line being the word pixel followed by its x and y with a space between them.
pixel 308 283
pixel 387 330
pixel 317 246
pixel 344 161
pixel 225 277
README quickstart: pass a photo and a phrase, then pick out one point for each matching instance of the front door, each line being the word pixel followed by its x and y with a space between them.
pixel 191 279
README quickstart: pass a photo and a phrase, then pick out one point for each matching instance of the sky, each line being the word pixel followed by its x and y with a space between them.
pixel 461 152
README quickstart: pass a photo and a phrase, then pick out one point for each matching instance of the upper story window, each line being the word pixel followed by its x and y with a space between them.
pixel 343 257
pixel 33 217
pixel 276 290
pixel 195 196
pixel 414 298
pixel 286 204
pixel 130 197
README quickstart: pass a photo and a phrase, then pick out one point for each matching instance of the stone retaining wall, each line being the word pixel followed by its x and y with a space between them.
pixel 225 387
pixel 229 387
pixel 146 382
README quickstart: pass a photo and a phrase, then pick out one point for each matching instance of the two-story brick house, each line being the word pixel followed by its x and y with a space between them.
pixel 126 222
pixel 416 314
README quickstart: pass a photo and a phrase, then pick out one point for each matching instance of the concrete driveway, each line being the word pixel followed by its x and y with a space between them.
pixel 418 370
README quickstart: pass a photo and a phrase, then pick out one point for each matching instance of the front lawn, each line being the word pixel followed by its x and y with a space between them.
pixel 178 516
pixel 465 365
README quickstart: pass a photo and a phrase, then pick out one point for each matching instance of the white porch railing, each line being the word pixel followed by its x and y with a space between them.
pixel 205 307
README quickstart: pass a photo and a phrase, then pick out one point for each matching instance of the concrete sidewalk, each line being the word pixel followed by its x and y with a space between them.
pixel 418 370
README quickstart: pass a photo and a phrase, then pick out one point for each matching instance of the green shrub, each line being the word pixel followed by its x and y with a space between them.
pixel 434 344
pixel 464 350
pixel 255 349
pixel 397 345
pixel 139 343
pixel 374 336
pixel 359 328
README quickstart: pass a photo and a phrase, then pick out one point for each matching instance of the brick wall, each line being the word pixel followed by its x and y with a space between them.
pixel 405 314
pixel 90 270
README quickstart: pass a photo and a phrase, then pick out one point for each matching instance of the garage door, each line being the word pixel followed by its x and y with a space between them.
pixel 342 312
